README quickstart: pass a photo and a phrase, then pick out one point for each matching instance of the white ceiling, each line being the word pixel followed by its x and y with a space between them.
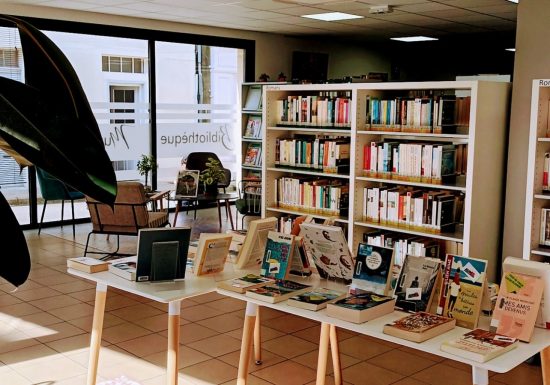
pixel 409 17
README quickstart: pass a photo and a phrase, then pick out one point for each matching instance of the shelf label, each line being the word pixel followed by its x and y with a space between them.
pixel 544 83
pixel 272 88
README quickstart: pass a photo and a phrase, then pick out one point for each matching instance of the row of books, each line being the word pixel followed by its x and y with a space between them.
pixel 326 154
pixel 322 196
pixel 253 127
pixel 544 239
pixel 440 114
pixel 415 162
pixel 410 208
pixel 253 156
pixel 326 109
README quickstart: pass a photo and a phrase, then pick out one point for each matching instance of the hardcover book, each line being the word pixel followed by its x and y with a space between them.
pixel 277 260
pixel 416 282
pixel 212 252
pixel 253 248
pixel 315 299
pixel 87 264
pixel 517 305
pixel 329 250
pixel 362 307
pixel 124 267
pixel 278 291
pixel 244 283
pixel 419 327
pixel 462 287
pixel 479 345
pixel 373 267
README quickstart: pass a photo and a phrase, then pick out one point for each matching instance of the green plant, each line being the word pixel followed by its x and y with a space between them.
pixel 146 164
pixel 213 172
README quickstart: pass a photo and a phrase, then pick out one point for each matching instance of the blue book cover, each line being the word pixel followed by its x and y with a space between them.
pixel 373 267
pixel 277 256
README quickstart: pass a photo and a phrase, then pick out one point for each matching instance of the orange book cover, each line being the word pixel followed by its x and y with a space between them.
pixel 517 305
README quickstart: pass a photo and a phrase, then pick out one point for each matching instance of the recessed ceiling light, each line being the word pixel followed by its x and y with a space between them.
pixel 514 1
pixel 510 49
pixel 333 16
pixel 409 39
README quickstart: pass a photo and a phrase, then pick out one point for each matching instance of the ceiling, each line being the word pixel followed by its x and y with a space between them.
pixel 437 18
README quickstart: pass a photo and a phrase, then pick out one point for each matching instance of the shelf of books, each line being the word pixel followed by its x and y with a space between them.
pixel 397 162
pixel 536 243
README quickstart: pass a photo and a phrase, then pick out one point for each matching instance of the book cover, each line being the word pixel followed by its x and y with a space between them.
pixel 479 345
pixel 253 100
pixel 315 299
pixel 329 250
pixel 300 262
pixel 124 267
pixel 212 252
pixel 87 264
pixel 278 291
pixel 244 283
pixel 419 327
pixel 253 127
pixel 415 284
pixel 373 266
pixel 462 287
pixel 362 307
pixel 188 183
pixel 517 305
pixel 278 253
pixel 253 248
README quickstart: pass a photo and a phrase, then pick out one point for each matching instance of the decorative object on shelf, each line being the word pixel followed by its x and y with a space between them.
pixel 211 175
pixel 281 77
pixel 263 77
pixel 146 164
pixel 48 122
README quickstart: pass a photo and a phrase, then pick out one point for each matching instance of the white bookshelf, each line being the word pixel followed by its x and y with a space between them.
pixel 481 184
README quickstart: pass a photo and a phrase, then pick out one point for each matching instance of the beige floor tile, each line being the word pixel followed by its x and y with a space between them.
pixel 191 332
pixel 84 295
pixel 7 327
pixel 55 302
pixel 379 341
pixel 118 301
pixel 146 345
pixel 428 356
pixel 217 345
pixel 136 312
pixel 412 381
pixel 38 293
pixel 288 323
pixel 17 310
pixel 401 362
pixel 11 377
pixel 329 380
pixel 458 365
pixel 356 347
pixel 123 332
pixel 33 353
pixel 28 285
pixel 199 312
pixel 267 313
pixel 310 360
pixel 312 334
pixel 208 297
pixel 31 321
pixel 209 372
pixel 357 374
pixel 8 299
pixel 38 271
pixel 73 287
pixel 16 340
pixel 54 332
pixel 155 323
pixel 57 367
pixel 72 344
pixel 108 355
pixel 288 373
pixel 134 368
pixel 55 279
pixel 452 376
pixel 228 304
pixel 222 323
pixel 81 379
pixel 266 333
pixel 289 346
pixel 251 380
pixel 267 357
pixel 186 357
pixel 73 311
pixel 85 323
pixel 523 373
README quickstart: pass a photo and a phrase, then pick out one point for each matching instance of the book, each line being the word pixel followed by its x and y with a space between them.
pixel 187 184
pixel 87 264
pixel 277 259
pixel 315 299
pixel 300 262
pixel 462 287
pixel 212 252
pixel 329 250
pixel 277 291
pixel 373 266
pixel 253 100
pixel 362 307
pixel 244 283
pixel 415 284
pixel 419 327
pixel 253 127
pixel 253 248
pixel 479 345
pixel 124 267
pixel 517 305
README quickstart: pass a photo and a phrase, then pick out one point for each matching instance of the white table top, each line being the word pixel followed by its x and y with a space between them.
pixel 373 328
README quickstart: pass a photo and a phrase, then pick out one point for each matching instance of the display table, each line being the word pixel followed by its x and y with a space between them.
pixel 480 374
pixel 195 201
pixel 171 293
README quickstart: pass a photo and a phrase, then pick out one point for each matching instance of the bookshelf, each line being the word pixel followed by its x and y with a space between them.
pixel 476 135
pixel 537 196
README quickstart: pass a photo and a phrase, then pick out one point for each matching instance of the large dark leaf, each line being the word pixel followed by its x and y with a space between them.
pixel 16 262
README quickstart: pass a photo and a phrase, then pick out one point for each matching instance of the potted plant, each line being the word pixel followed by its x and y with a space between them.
pixel 211 175
pixel 146 164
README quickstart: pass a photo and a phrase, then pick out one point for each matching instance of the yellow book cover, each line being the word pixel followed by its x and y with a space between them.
pixel 212 253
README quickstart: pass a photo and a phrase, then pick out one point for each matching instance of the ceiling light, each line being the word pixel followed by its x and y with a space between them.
pixel 409 39
pixel 514 1
pixel 332 16
pixel 510 49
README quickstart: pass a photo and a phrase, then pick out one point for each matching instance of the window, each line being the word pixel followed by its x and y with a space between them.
pixel 122 64
pixel 9 57
pixel 123 95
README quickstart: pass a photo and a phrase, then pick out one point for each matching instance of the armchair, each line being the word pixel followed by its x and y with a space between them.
pixel 197 161
pixel 52 188
pixel 128 215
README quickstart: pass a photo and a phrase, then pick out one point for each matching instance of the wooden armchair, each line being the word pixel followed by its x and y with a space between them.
pixel 129 213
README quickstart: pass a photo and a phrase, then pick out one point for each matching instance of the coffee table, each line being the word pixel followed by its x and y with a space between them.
pixel 195 201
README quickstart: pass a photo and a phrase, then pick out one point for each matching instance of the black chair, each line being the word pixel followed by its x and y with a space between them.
pixel 52 188
pixel 198 160
pixel 249 202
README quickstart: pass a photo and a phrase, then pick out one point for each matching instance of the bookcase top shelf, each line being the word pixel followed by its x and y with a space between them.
pixel 313 130
pixel 304 212
pixel 304 171
pixel 413 135
pixel 459 186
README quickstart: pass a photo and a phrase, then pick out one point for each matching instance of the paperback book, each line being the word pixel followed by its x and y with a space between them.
pixel 373 268
pixel 362 307
pixel 212 252
pixel 252 251
pixel 278 253
pixel 244 283
pixel 300 262
pixel 87 264
pixel 517 305
pixel 124 267
pixel 419 327
pixel 479 345
pixel 416 282
pixel 277 291
pixel 315 299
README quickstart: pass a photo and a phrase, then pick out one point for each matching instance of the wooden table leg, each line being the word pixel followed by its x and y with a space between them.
pixel 334 349
pixel 545 363
pixel 480 376
pixel 248 330
pixel 323 354
pixel 178 203
pixel 219 213
pixel 228 208
pixel 258 339
pixel 97 328
pixel 173 342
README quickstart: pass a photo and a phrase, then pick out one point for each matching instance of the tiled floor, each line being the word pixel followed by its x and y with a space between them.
pixel 45 331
